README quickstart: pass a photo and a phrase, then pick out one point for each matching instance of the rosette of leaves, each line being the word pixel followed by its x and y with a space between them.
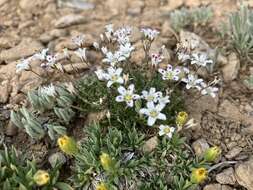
pixel 240 31
pixel 17 174
pixel 183 18
pixel 61 103
pixel 48 114
pixel 34 127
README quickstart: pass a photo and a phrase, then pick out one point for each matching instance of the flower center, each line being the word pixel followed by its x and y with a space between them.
pixel 128 97
pixel 114 77
pixel 150 98
pixel 201 172
pixel 154 113
pixel 169 75
pixel 166 130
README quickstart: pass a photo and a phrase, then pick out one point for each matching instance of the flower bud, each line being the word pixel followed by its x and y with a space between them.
pixel 101 186
pixel 181 119
pixel 41 177
pixel 68 145
pixel 212 154
pixel 106 161
pixel 198 175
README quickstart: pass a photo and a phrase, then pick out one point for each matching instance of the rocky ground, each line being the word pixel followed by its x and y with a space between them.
pixel 28 26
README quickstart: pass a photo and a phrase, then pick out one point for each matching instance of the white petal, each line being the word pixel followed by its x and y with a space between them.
pixel 109 83
pixel 118 71
pixel 120 80
pixel 144 111
pixel 131 88
pixel 150 105
pixel 131 103
pixel 152 90
pixel 161 133
pixel 122 90
pixel 111 70
pixel 161 116
pixel 151 121
pixel 136 96
pixel 119 98
pixel 159 107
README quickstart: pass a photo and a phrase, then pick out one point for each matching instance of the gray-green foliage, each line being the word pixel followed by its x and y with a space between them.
pixel 187 17
pixel 47 115
pixel 17 174
pixel 240 31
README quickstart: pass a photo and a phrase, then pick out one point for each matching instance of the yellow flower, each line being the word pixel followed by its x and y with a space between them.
pixel 68 145
pixel 41 177
pixel 106 161
pixel 181 119
pixel 212 154
pixel 101 186
pixel 198 175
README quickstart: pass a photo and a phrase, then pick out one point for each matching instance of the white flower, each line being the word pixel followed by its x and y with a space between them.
pixel 81 53
pixel 156 58
pixel 152 95
pixel 104 50
pixel 166 130
pixel 48 90
pixel 126 49
pixel 41 56
pixel 96 45
pixel 113 76
pixel 122 35
pixel 109 31
pixel 149 33
pixel 113 59
pixel 23 65
pixel 200 59
pixel 170 73
pixel 212 91
pixel 192 81
pixel 153 112
pixel 51 60
pixel 100 74
pixel 183 56
pixel 78 40
pixel 164 100
pixel 127 95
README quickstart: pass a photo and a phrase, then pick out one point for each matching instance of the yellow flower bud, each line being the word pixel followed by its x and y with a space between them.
pixel 198 175
pixel 68 145
pixel 181 119
pixel 106 161
pixel 101 186
pixel 212 154
pixel 41 177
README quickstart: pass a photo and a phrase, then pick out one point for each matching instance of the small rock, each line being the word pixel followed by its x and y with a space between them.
pixel 234 152
pixel 11 129
pixel 135 7
pixel 3 2
pixel 4 91
pixel 69 20
pixel 8 42
pixel 115 6
pixel 150 144
pixel 230 70
pixel 26 47
pixel 28 5
pixel 200 146
pixel 215 186
pixel 95 117
pixel 227 177
pixel 244 173
pixel 79 67
pixel 57 158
